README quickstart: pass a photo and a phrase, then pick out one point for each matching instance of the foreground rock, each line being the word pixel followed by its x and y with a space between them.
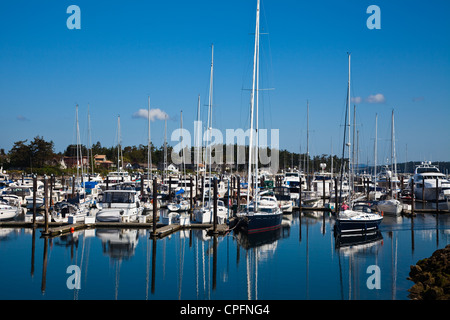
pixel 431 277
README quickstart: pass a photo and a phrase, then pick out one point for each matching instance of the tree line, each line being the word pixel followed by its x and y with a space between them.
pixel 38 155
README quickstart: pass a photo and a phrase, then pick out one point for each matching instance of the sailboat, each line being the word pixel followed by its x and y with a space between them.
pixel 391 205
pixel 205 213
pixel 262 213
pixel 350 217
pixel 180 203
pixel 78 206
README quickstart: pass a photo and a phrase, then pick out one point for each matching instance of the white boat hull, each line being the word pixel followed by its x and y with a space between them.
pixel 8 212
pixel 175 207
pixel 393 207
pixel 206 215
pixel 117 215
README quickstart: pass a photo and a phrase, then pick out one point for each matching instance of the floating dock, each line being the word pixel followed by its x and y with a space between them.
pixel 59 228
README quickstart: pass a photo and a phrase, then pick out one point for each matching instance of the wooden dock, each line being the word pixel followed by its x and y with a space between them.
pixel 59 228
pixel 164 230
pixel 296 208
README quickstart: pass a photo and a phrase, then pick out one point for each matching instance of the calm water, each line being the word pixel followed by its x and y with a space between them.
pixel 304 260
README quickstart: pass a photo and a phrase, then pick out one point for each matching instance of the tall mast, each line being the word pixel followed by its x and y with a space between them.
pixel 198 138
pixel 394 155
pixel 348 126
pixel 149 151
pixel 252 99
pixel 78 143
pixel 210 118
pixel 354 138
pixel 307 146
pixel 118 145
pixel 165 146
pixel 375 156
pixel 357 151
pixel 182 149
pixel 257 123
pixel 90 157
pixel 332 157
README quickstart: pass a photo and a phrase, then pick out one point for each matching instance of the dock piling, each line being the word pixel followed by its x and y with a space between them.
pixel 155 204
pixel 437 195
pixel 46 203
pixel 215 206
pixel 300 194
pixel 412 197
pixel 34 198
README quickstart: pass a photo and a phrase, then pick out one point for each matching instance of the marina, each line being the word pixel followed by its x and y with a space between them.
pixel 220 261
pixel 304 259
pixel 334 185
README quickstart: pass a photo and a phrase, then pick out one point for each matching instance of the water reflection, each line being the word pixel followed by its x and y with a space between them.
pixel 357 242
pixel 259 247
pixel 303 259
pixel 118 244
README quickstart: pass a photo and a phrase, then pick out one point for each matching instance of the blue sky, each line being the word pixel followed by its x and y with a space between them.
pixel 128 50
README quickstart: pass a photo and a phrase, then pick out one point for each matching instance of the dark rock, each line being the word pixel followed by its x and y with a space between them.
pixel 431 277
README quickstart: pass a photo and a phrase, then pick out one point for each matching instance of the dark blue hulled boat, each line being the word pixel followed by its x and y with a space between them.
pixel 268 216
pixel 263 213
pixel 359 219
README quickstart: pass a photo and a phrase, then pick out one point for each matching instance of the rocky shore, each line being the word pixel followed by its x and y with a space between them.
pixel 431 277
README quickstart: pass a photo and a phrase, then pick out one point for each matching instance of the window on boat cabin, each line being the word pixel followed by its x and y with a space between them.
pixel 364 209
pixel 266 210
pixel 118 197
pixel 423 170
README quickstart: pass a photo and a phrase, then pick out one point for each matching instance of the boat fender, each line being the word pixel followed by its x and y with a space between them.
pixel 382 213
pixel 72 229
pixel 121 212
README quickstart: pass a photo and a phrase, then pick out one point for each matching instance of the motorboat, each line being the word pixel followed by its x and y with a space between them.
pixel 283 196
pixel 60 211
pixel 310 199
pixel 321 180
pixel 116 177
pixel 291 180
pixel 8 212
pixel 20 192
pixel 11 199
pixel 119 206
pixel 427 178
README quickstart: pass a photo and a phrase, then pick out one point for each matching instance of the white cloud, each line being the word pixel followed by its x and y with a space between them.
pixel 155 114
pixel 356 100
pixel 376 98
pixel 22 118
